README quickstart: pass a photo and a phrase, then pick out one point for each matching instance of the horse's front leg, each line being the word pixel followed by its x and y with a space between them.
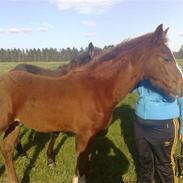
pixel 83 149
pixel 50 154
pixel 7 148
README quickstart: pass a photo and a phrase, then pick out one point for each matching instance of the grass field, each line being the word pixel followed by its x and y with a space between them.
pixel 180 62
pixel 113 159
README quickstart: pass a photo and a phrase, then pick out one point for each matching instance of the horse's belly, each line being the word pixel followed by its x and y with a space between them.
pixel 47 119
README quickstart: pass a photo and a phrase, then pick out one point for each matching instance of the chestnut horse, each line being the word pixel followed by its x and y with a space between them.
pixel 81 59
pixel 83 100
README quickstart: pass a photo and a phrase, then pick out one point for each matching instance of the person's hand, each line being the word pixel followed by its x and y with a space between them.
pixel 181 137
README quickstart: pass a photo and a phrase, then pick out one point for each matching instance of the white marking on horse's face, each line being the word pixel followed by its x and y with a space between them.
pixel 179 68
pixel 75 179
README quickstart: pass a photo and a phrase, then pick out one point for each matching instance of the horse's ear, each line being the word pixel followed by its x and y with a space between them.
pixel 90 47
pixel 158 34
pixel 165 32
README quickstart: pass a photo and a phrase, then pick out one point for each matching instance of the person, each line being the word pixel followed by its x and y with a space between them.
pixel 156 132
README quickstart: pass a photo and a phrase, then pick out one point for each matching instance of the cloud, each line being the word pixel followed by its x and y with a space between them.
pixel 86 6
pixel 180 34
pixel 13 30
pixel 2 31
pixel 23 30
pixel 47 25
pixel 89 34
pixel 42 29
pixel 26 30
pixel 89 23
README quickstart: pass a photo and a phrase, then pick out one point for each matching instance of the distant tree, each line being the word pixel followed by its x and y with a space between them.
pixel 179 54
pixel 109 46
pixel 44 54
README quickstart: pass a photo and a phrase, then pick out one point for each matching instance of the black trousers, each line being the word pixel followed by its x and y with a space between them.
pixel 156 142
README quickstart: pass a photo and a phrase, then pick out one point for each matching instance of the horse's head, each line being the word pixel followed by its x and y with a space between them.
pixel 160 66
pixel 93 51
pixel 90 48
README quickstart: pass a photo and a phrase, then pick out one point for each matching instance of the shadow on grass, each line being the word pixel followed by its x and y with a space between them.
pixel 57 147
pixel 108 163
pixel 2 169
pixel 38 140
pixel 126 114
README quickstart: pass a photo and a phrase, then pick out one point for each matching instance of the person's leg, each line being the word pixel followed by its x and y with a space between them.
pixel 164 151
pixel 146 161
pixel 145 156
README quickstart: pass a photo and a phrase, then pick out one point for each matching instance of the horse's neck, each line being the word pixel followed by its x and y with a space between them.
pixel 126 80
pixel 117 78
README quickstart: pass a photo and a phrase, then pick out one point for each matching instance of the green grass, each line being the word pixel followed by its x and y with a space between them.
pixel 180 62
pixel 113 158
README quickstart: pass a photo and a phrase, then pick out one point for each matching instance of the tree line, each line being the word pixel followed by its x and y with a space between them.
pixel 50 54
pixel 179 54
pixel 44 54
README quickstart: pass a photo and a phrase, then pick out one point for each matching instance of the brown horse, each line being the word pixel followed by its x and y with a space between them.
pixel 57 104
pixel 81 59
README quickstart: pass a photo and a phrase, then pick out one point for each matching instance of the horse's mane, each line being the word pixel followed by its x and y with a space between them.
pixel 102 60
pixel 81 60
pixel 84 57
pixel 111 53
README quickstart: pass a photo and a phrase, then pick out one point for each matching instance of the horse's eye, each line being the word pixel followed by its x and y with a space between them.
pixel 166 59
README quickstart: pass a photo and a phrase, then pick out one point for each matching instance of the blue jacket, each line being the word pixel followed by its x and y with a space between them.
pixel 155 104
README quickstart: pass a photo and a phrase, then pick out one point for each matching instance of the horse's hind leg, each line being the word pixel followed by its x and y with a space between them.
pixel 83 149
pixel 50 155
pixel 7 147
pixel 19 148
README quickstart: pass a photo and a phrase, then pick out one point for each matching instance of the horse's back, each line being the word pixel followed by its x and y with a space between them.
pixel 26 67
pixel 34 69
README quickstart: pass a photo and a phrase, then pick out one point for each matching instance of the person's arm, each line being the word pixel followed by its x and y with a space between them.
pixel 180 102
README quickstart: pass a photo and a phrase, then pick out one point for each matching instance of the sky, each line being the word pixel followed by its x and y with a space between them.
pixel 75 23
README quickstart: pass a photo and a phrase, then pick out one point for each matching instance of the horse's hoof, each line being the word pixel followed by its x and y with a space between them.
pixel 5 180
pixel 82 179
pixel 75 179
pixel 52 164
pixel 23 155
